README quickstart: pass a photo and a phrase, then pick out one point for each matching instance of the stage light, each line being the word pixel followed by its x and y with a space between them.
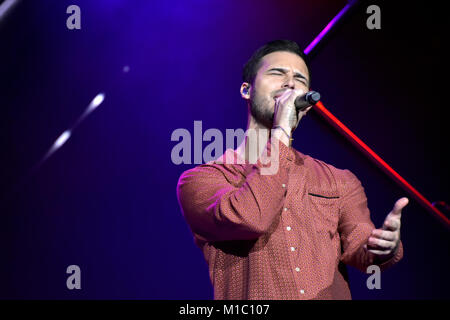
pixel 97 101
pixel 62 139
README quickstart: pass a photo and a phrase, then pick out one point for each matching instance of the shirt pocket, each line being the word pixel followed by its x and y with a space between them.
pixel 325 210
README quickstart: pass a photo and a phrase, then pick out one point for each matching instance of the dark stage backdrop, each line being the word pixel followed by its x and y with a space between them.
pixel 106 200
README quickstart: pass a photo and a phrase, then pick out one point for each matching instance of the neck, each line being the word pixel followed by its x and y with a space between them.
pixel 254 141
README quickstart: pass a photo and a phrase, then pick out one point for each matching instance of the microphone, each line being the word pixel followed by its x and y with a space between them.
pixel 304 101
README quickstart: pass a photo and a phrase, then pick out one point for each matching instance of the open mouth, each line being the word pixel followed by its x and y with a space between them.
pixel 277 96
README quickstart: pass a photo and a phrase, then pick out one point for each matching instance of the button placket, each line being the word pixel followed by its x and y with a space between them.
pixel 296 182
pixel 291 239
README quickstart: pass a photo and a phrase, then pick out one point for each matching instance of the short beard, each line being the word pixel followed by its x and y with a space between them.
pixel 261 110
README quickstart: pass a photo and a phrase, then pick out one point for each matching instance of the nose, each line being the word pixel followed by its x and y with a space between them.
pixel 289 82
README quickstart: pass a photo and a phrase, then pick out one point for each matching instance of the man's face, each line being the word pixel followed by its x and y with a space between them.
pixel 278 71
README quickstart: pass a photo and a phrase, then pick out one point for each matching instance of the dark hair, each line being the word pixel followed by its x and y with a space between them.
pixel 252 65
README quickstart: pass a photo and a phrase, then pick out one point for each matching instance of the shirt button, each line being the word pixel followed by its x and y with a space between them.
pixel 292 249
pixel 288 228
pixel 285 209
pixel 302 291
pixel 297 269
pixel 283 185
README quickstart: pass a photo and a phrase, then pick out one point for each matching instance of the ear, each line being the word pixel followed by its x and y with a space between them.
pixel 245 90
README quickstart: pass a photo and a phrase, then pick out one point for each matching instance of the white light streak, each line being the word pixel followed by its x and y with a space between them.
pixel 62 139
pixel 97 101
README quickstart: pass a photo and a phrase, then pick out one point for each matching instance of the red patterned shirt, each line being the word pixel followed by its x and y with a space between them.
pixel 281 236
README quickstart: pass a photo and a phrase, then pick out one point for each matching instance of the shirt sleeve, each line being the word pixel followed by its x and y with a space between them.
pixel 217 209
pixel 355 227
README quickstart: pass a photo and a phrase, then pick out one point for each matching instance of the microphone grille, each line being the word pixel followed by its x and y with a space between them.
pixel 313 97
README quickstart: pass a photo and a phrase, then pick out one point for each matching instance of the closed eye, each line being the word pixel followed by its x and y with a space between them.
pixel 300 79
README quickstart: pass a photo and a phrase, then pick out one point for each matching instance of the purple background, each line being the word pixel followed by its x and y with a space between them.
pixel 106 200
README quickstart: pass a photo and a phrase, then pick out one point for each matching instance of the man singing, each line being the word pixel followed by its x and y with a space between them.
pixel 285 235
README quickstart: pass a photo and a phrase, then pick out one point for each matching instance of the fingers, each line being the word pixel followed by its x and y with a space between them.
pixel 384 235
pixel 379 244
pixel 392 221
pixel 391 224
pixel 285 113
pixel 399 205
pixel 299 114
pixel 383 242
pixel 297 93
pixel 381 252
pixel 289 96
pixel 303 113
pixel 307 109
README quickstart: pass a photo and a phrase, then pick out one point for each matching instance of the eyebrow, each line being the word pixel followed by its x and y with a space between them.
pixel 284 71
